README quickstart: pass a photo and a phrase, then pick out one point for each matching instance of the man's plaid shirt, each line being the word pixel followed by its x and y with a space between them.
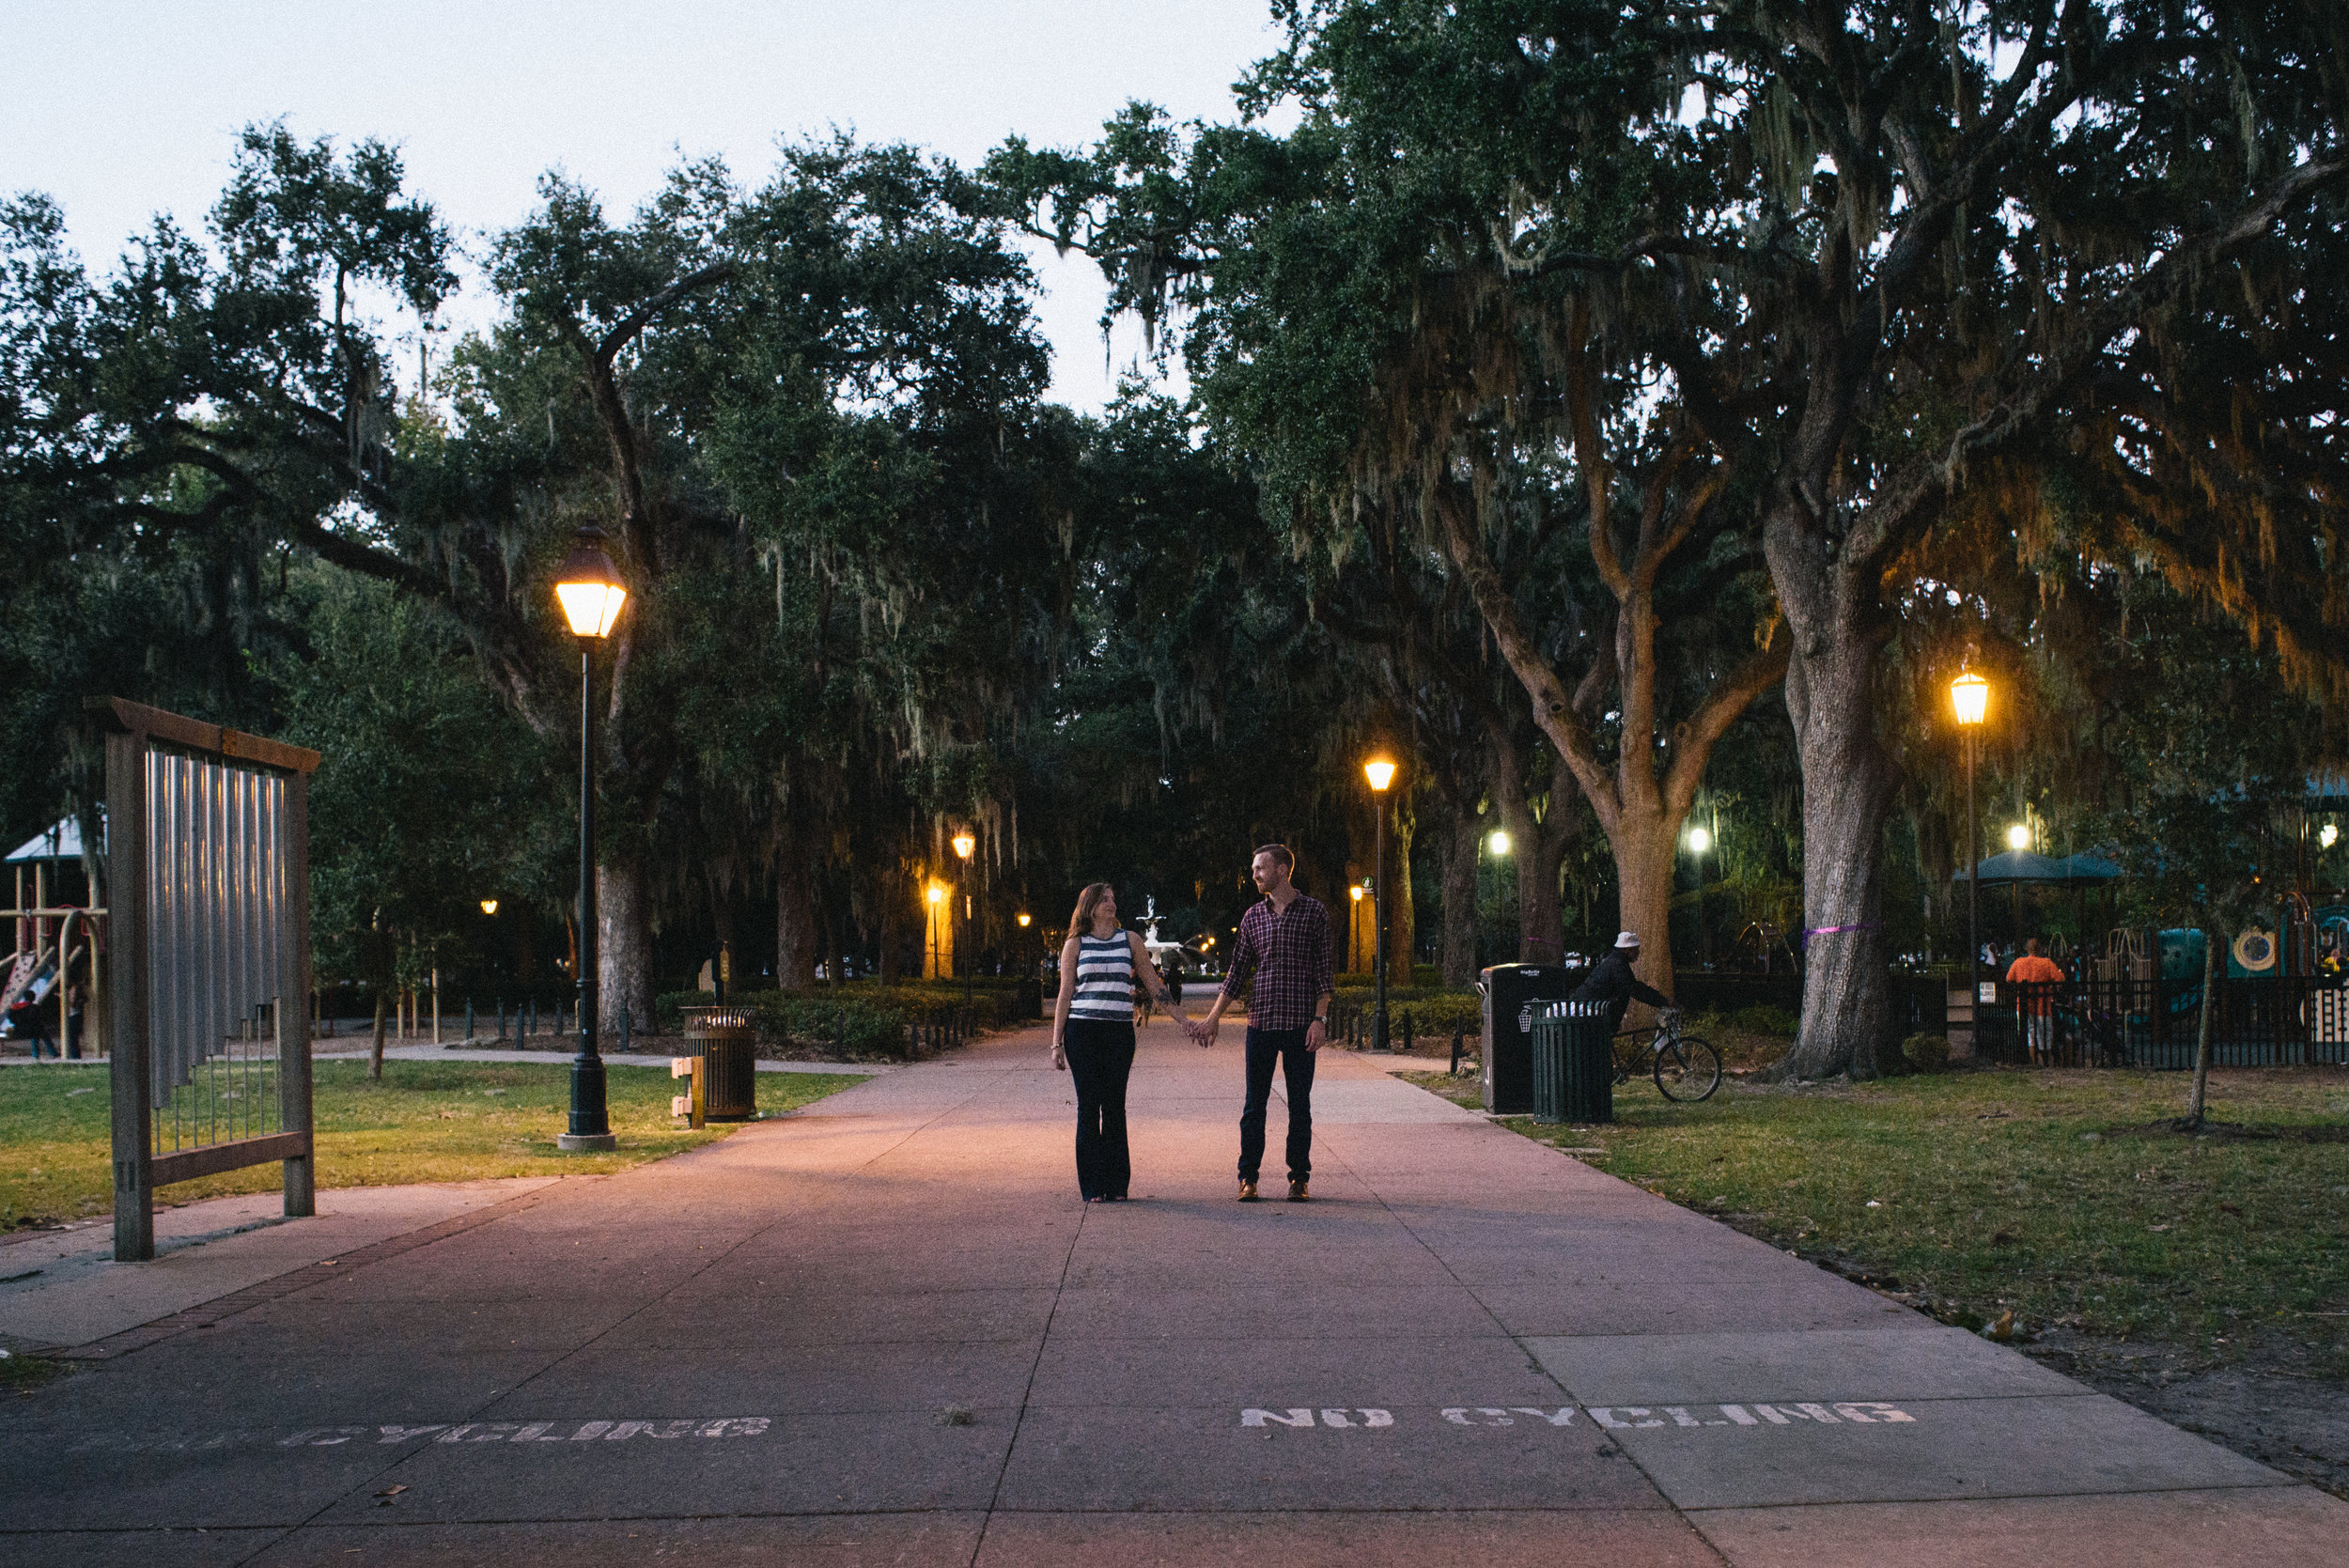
pixel 1289 955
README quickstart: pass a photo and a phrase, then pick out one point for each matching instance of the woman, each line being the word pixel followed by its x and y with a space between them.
pixel 1093 1035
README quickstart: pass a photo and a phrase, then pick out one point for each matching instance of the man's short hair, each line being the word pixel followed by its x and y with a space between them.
pixel 2032 947
pixel 1279 853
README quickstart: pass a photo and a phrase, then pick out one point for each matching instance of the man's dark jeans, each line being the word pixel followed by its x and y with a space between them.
pixel 1297 1065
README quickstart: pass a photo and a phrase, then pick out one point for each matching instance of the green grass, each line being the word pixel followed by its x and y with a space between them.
pixel 2061 1196
pixel 425 1122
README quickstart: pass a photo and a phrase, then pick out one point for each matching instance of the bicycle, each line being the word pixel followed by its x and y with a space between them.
pixel 1686 1067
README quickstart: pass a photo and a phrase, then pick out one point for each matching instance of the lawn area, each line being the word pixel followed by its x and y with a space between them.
pixel 425 1122
pixel 2061 1196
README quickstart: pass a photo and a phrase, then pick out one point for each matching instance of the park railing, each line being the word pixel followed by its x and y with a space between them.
pixel 2259 1021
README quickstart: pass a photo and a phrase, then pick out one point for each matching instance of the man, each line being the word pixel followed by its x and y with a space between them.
pixel 1612 982
pixel 1285 942
pixel 2035 970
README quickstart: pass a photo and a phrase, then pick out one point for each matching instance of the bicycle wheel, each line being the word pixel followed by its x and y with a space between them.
pixel 1687 1070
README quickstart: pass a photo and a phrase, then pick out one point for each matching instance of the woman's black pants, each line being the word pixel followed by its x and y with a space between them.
pixel 1100 1055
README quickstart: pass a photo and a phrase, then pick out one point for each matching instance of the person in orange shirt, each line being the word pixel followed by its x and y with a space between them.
pixel 2034 968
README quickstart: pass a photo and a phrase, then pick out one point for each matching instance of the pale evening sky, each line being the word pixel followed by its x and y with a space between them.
pixel 123 110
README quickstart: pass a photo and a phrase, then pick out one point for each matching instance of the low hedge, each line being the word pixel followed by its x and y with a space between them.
pixel 860 1018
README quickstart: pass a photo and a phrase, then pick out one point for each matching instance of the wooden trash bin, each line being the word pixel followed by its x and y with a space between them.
pixel 727 1039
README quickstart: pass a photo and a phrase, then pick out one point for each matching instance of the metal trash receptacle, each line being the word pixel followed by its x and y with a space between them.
pixel 727 1038
pixel 1511 992
pixel 1574 1063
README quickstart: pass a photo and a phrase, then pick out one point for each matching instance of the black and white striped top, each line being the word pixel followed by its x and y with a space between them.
pixel 1105 979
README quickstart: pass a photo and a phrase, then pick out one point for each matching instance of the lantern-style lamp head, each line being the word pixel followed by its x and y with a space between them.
pixel 589 586
pixel 1969 695
pixel 1700 840
pixel 1379 772
pixel 937 892
pixel 488 906
pixel 2328 835
pixel 1499 842
pixel 1023 918
pixel 964 844
pixel 2018 837
pixel 1357 893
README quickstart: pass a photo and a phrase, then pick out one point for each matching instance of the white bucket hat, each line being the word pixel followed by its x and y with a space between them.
pixel 1627 939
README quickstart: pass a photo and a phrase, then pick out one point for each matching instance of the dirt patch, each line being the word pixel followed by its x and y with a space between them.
pixel 2261 1405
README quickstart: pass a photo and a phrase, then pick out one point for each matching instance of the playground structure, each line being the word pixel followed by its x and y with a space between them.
pixel 58 953
pixel 208 884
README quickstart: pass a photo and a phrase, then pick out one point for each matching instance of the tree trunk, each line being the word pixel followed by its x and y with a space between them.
pixel 623 947
pixel 892 911
pixel 374 1051
pixel 2198 1097
pixel 1459 902
pixel 796 923
pixel 1645 843
pixel 1846 797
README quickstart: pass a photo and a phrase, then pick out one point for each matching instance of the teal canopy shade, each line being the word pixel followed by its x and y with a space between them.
pixel 2021 866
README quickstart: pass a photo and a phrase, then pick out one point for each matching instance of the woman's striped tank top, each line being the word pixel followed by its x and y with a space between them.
pixel 1105 979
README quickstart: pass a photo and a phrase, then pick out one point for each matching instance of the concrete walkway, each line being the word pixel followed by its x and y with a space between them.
pixel 884 1330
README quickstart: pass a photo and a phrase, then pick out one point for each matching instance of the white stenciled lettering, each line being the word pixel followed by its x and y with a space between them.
pixel 1605 1415
pixel 734 1426
pixel 1681 1417
pixel 407 1434
pixel 537 1433
pixel 1457 1415
pixel 1737 1413
pixel 1564 1416
pixel 1297 1415
pixel 1500 1417
pixel 622 1431
pixel 1768 1414
pixel 1335 1418
pixel 318 1437
pixel 1376 1418
pixel 1869 1410
pixel 589 1431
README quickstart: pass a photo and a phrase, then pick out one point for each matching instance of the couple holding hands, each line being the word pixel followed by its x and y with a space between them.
pixel 1283 944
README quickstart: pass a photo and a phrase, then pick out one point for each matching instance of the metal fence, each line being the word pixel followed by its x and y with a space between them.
pixel 207 859
pixel 2264 1021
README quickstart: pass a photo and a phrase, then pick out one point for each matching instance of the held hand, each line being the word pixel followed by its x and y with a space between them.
pixel 1204 1032
pixel 1315 1036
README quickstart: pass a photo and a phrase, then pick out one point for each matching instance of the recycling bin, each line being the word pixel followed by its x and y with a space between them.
pixel 1511 992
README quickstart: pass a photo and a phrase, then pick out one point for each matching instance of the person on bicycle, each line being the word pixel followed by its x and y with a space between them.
pixel 1612 982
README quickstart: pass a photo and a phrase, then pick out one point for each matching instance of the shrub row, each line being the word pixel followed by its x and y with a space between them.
pixel 860 1018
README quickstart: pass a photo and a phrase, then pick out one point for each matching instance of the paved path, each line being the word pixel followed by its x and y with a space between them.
pixel 883 1330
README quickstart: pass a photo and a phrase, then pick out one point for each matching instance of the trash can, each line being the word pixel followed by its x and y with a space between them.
pixel 1511 993
pixel 727 1039
pixel 1574 1063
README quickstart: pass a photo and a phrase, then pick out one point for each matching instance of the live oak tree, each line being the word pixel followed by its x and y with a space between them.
pixel 240 398
pixel 1878 265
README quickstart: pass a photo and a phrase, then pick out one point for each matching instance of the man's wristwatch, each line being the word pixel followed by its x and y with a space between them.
pixel 1322 1019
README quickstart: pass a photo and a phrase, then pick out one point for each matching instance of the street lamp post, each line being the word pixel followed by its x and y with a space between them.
pixel 1498 843
pixel 1970 699
pixel 964 844
pixel 1380 772
pixel 591 593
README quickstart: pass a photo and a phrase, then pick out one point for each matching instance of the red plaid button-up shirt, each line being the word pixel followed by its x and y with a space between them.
pixel 1289 955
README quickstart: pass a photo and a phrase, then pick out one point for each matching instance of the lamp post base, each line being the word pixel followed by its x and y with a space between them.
pixel 585 1142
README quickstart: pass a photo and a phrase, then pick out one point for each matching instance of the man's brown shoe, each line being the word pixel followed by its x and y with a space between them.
pixel 1296 1190
pixel 1248 1189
